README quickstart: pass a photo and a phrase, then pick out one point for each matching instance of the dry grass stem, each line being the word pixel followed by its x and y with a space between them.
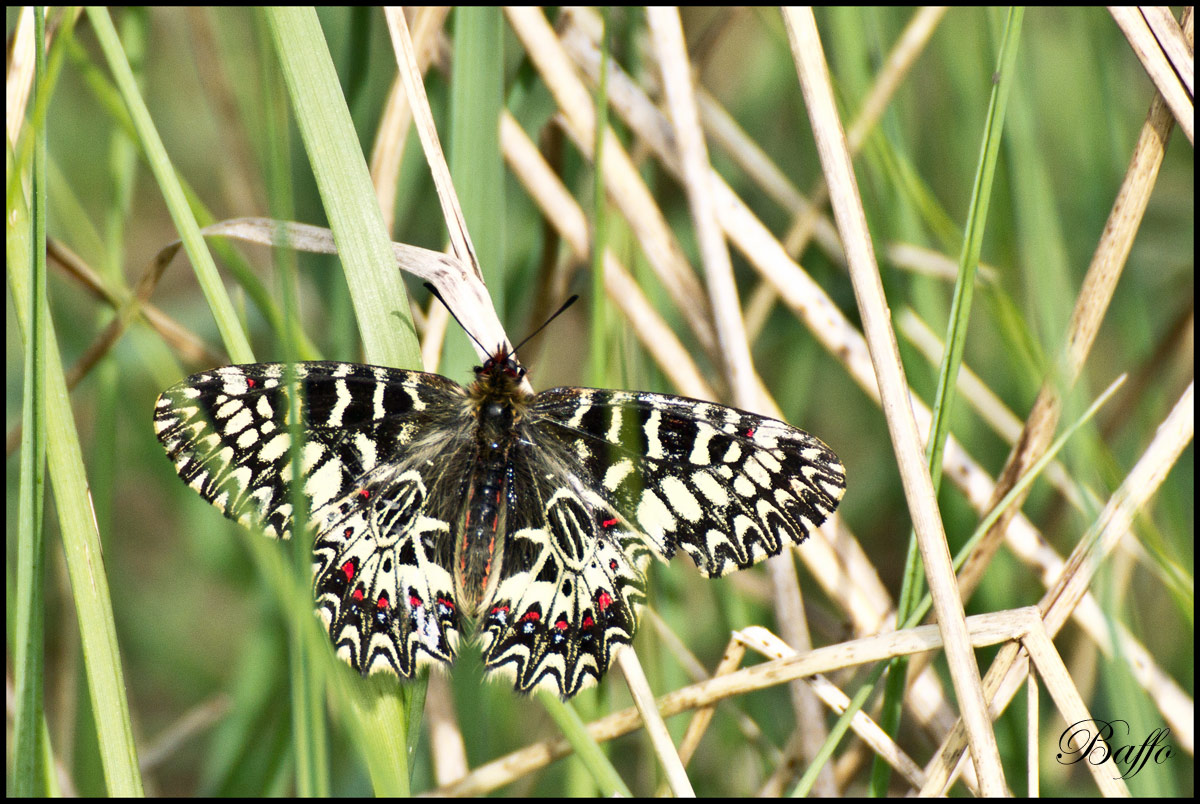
pixel 18 79
pixel 731 660
pixel 734 349
pixel 1032 711
pixel 446 745
pixel 656 729
pixel 983 630
pixel 392 132
pixel 564 213
pixel 181 340
pixel 1070 704
pixel 896 67
pixel 1070 590
pixel 621 178
pixel 1168 61
pixel 893 390
pixel 771 646
pixel 1095 294
pixel 410 71
pixel 468 296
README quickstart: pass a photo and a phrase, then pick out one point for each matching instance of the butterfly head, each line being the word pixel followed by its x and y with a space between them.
pixel 502 364
pixel 498 383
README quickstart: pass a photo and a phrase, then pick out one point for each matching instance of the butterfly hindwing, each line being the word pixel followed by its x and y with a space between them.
pixel 571 579
pixel 381 578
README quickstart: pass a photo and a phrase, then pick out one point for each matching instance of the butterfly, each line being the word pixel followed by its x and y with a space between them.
pixel 531 517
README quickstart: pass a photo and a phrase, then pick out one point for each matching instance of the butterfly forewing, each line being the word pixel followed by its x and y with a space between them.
pixel 727 487
pixel 536 515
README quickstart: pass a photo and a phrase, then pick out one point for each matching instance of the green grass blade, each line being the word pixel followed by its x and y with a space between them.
pixel 476 167
pixel 587 749
pixel 172 190
pixel 81 540
pixel 331 142
pixel 28 639
pixel 968 264
pixel 376 291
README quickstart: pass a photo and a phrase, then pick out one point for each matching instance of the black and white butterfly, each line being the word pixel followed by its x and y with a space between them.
pixel 533 516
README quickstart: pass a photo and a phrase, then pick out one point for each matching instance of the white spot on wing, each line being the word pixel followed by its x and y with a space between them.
pixel 339 407
pixel 274 449
pixel 323 484
pixel 755 472
pixel 366 447
pixel 743 486
pixel 247 439
pixel 700 455
pixel 654 448
pixel 238 421
pixel 653 516
pixel 707 485
pixel 312 454
pixel 769 461
pixel 614 425
pixel 616 473
pixel 241 476
pixel 681 499
pixel 377 397
pixel 580 409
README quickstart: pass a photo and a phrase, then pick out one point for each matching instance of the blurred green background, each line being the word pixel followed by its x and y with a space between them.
pixel 199 630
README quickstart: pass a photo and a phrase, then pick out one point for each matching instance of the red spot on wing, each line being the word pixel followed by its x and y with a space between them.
pixel 608 523
pixel 364 493
pixel 357 594
pixel 251 382
pixel 531 616
pixel 414 601
pixel 588 622
pixel 604 600
pixel 561 625
pixel 348 570
pixel 382 603
pixel 750 432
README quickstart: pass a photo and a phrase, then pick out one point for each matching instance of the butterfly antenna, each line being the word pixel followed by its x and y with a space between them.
pixel 450 310
pixel 528 337
pixel 557 313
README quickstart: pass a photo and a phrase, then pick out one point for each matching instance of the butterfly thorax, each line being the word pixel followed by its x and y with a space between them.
pixel 498 403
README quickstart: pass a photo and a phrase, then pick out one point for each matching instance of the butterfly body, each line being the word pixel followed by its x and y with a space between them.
pixel 497 403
